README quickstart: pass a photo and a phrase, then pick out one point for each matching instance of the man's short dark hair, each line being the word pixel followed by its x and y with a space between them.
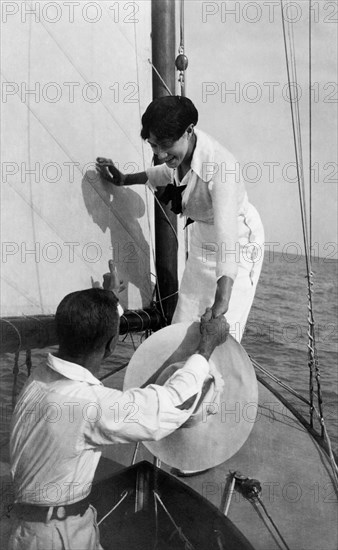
pixel 86 320
pixel 168 117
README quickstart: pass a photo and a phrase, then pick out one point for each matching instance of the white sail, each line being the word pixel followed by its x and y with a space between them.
pixel 75 80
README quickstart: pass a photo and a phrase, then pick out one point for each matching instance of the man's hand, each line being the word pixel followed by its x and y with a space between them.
pixel 213 333
pixel 111 280
pixel 107 169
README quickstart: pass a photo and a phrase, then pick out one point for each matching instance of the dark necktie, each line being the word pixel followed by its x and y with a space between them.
pixel 173 193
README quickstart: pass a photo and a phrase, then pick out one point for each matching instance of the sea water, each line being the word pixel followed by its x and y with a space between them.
pixel 276 335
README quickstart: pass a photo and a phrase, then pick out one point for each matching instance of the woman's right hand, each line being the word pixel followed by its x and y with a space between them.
pixel 214 331
pixel 107 169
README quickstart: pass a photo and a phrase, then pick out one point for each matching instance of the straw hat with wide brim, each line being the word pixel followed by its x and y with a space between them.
pixel 225 415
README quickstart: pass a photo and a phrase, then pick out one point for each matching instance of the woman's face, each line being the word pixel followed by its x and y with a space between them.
pixel 171 152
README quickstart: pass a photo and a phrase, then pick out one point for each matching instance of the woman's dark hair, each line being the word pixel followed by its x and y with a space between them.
pixel 86 320
pixel 168 117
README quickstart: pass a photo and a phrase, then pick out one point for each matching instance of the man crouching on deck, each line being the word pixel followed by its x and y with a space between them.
pixel 64 414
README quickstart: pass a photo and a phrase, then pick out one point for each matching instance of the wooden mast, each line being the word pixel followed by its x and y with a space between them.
pixel 163 57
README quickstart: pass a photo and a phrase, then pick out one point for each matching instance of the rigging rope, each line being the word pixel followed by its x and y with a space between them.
pixel 311 332
pixel 187 543
pixel 29 361
pixel 181 61
pixel 279 382
pixel 15 376
pixel 181 48
pixel 310 275
pixel 295 100
pixel 160 77
pixel 296 128
pixel 123 496
pixel 325 435
pixel 273 523
pixel 293 118
pixel 310 126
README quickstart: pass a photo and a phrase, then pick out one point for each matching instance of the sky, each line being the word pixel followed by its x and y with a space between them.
pixel 237 78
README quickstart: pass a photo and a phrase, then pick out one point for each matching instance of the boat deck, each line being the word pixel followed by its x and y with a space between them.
pixel 293 470
pixel 298 491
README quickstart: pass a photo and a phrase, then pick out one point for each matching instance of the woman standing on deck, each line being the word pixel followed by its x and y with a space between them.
pixel 204 184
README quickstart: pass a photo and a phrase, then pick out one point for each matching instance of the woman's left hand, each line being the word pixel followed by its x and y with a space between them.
pixel 222 296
